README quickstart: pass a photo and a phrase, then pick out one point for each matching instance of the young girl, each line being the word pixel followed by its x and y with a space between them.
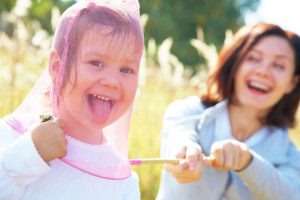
pixel 89 87
pixel 240 124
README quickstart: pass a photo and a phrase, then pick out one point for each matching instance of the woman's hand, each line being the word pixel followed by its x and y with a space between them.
pixel 49 139
pixel 190 167
pixel 230 155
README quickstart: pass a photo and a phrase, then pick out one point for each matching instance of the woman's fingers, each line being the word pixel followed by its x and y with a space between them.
pixel 230 155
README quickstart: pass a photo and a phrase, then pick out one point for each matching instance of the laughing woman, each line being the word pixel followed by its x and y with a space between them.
pixel 241 123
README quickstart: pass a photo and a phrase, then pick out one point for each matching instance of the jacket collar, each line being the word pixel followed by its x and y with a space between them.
pixel 273 147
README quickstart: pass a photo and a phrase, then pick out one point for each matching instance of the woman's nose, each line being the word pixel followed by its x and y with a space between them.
pixel 263 69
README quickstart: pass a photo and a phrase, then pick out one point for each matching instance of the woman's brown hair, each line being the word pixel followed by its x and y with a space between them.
pixel 221 81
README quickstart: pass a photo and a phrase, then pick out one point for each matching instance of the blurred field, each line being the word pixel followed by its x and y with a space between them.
pixel 163 79
pixel 144 140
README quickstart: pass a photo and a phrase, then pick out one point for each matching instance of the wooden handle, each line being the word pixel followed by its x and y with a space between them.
pixel 153 161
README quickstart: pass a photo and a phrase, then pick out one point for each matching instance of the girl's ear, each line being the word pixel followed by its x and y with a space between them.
pixel 54 64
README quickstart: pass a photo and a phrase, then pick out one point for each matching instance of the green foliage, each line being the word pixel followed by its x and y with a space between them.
pixel 7 5
pixel 41 11
pixel 168 18
pixel 178 19
pixel 23 56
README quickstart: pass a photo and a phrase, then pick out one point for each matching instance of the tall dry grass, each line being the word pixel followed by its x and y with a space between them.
pixel 163 79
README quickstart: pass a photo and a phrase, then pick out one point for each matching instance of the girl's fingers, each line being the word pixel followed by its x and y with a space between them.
pixel 59 122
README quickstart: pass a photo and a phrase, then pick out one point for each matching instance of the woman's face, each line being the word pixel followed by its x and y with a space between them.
pixel 266 74
pixel 104 83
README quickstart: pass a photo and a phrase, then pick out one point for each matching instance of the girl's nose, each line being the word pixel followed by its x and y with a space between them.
pixel 110 79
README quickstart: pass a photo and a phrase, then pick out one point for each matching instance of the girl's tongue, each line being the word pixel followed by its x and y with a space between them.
pixel 100 109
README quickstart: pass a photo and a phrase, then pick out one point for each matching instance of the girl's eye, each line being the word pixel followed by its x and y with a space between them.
pixel 96 63
pixel 127 70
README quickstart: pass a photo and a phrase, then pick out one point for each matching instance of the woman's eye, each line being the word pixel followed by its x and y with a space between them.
pixel 127 70
pixel 96 63
pixel 252 58
pixel 278 66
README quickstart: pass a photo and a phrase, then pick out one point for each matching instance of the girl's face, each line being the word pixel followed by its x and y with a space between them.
pixel 266 74
pixel 104 81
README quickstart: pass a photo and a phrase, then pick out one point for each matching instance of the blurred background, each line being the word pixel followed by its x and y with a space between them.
pixel 182 40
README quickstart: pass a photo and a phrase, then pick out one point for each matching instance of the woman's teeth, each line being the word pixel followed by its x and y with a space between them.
pixel 259 86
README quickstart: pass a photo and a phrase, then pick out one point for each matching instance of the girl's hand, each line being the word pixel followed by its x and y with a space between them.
pixel 49 139
pixel 190 167
pixel 230 155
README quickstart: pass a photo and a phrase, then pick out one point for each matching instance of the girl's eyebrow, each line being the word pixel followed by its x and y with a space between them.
pixel 92 52
pixel 97 54
pixel 131 60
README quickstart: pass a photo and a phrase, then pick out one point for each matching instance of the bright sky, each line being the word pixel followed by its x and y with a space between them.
pixel 285 13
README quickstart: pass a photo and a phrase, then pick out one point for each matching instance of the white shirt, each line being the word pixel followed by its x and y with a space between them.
pixel 24 175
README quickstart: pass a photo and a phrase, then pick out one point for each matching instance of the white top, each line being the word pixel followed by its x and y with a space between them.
pixel 224 132
pixel 273 174
pixel 24 175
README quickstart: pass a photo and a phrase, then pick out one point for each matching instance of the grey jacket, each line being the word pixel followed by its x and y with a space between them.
pixel 273 174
